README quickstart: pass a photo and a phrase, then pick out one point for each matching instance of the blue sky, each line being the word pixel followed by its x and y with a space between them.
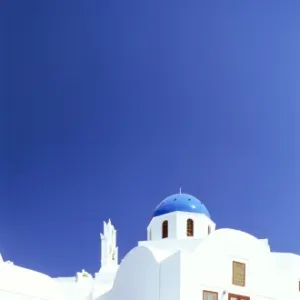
pixel 113 105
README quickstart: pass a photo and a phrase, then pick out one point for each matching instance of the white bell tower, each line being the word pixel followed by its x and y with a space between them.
pixel 109 249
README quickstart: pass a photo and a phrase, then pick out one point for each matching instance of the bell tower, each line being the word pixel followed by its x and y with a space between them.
pixel 109 249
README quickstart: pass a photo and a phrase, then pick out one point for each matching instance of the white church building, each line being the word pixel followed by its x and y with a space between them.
pixel 183 258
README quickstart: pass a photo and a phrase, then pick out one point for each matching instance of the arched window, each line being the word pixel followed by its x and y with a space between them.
pixel 190 227
pixel 165 229
pixel 208 230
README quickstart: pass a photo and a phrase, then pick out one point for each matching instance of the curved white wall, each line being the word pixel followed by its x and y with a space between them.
pixel 150 274
pixel 170 278
pixel 18 283
pixel 210 267
pixel 137 277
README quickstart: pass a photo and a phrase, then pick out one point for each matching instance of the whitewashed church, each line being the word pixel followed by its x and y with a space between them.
pixel 183 258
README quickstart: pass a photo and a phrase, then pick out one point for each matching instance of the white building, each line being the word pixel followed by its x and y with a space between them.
pixel 183 258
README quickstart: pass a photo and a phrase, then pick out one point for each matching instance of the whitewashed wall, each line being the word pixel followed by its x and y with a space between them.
pixel 184 275
pixel 18 283
pixel 137 277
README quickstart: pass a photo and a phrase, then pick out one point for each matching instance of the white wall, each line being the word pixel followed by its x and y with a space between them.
pixel 10 295
pixel 210 267
pixel 288 266
pixel 68 287
pixel 172 270
pixel 137 277
pixel 169 279
pixel 148 274
pixel 18 283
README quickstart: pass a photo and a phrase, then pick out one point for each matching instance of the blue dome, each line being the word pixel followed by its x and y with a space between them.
pixel 180 202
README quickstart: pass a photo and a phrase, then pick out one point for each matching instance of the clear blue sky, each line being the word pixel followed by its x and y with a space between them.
pixel 110 106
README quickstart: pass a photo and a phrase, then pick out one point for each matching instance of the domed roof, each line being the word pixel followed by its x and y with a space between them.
pixel 180 202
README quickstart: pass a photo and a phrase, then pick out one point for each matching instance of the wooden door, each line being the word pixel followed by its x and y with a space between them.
pixel 237 297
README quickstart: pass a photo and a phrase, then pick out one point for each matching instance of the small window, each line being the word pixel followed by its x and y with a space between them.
pixel 165 229
pixel 150 235
pixel 190 227
pixel 238 273
pixel 208 295
pixel 299 285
